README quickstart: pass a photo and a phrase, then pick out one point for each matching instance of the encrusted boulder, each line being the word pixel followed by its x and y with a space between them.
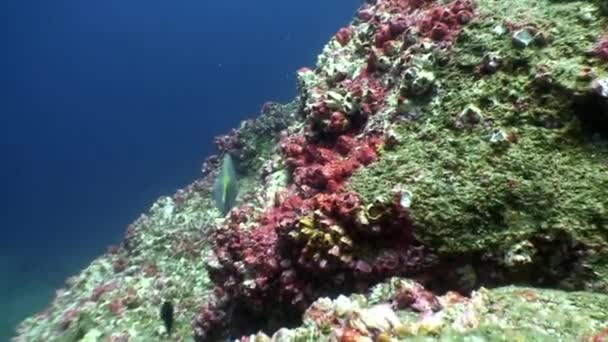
pixel 461 146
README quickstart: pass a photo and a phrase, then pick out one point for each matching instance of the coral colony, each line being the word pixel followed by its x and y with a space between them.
pixel 321 238
pixel 442 174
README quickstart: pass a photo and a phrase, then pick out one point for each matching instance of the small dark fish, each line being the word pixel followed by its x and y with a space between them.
pixel 166 315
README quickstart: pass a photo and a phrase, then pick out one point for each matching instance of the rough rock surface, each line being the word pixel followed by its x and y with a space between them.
pixel 401 310
pixel 442 160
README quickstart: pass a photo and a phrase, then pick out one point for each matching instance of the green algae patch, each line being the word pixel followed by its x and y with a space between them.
pixel 78 329
pixel 499 163
pixel 509 313
pixel 468 195
pixel 528 314
pixel 523 166
pixel 558 34
pixel 487 141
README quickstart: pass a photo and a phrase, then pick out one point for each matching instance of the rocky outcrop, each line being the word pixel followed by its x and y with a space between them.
pixel 441 161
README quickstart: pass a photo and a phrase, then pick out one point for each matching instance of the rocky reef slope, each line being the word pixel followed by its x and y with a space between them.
pixel 442 175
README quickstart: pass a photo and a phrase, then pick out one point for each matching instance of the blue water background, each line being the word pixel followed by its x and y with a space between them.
pixel 106 105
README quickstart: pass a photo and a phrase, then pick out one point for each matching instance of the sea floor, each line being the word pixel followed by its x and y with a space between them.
pixel 29 280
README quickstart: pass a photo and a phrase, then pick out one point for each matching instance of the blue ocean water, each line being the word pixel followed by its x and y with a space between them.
pixel 106 105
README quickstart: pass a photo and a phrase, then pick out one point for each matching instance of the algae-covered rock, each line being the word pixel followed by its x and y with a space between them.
pixel 460 143
pixel 525 170
pixel 509 313
pixel 162 257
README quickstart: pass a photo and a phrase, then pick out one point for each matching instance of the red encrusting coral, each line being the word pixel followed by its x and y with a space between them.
pixel 599 337
pixel 228 142
pixel 316 232
pixel 350 335
pixel 383 35
pixel 601 49
pixel 317 168
pixel 303 247
pixel 117 307
pixel 68 317
pixel 400 6
pixel 417 298
pixel 212 320
pixel 102 289
pixel 344 35
pixel 443 22
pixel 319 237
pixel 120 264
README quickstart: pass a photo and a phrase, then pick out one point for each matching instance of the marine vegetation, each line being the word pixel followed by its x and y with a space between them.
pixel 441 175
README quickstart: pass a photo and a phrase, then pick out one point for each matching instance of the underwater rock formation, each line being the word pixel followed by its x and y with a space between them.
pixel 441 161
pixel 400 310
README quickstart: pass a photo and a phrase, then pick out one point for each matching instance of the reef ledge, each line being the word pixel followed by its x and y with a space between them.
pixel 441 175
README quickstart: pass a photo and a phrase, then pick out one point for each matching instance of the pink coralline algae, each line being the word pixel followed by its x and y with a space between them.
pixel 599 337
pixel 212 320
pixel 69 317
pixel 383 35
pixel 370 92
pixel 401 6
pixel 317 168
pixel 310 237
pixel 443 22
pixel 365 14
pixel 120 264
pixel 416 298
pixel 229 142
pixel 344 35
pixel 313 239
pixel 318 236
pixel 405 20
pixel 101 290
pixel 601 49
pixel 305 247
pixel 121 337
pixel 391 31
pixel 117 307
